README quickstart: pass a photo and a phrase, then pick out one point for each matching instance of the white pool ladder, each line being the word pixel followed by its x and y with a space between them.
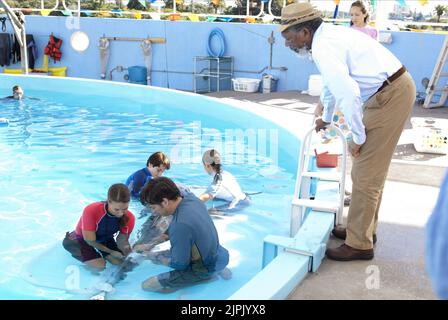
pixel 436 75
pixel 302 197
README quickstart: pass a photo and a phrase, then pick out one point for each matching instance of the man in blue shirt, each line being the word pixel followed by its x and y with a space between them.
pixel 156 164
pixel 195 253
pixel 437 243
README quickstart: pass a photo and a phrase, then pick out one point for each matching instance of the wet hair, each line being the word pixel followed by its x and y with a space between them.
pixel 363 8
pixel 119 192
pixel 158 189
pixel 157 159
pixel 311 25
pixel 15 88
pixel 213 158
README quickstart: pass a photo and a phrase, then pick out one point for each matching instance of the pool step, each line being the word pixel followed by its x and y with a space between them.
pixel 323 175
pixel 310 241
pixel 317 205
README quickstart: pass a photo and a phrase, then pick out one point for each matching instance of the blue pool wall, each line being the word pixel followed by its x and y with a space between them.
pixel 247 43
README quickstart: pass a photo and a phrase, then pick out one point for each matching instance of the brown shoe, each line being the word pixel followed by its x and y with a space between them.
pixel 347 253
pixel 341 233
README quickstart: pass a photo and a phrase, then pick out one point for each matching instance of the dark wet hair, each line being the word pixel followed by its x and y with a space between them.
pixel 311 25
pixel 15 88
pixel 157 159
pixel 119 192
pixel 363 8
pixel 158 189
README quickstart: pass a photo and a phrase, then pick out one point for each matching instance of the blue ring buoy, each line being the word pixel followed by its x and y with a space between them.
pixel 4 122
pixel 220 35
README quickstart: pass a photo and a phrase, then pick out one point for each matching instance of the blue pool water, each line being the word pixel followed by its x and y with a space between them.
pixel 63 151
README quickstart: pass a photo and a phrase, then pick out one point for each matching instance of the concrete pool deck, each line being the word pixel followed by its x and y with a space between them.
pixel 411 190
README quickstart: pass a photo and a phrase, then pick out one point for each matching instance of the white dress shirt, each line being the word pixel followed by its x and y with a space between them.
pixel 353 68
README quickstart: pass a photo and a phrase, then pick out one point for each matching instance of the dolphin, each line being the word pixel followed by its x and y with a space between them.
pixel 151 233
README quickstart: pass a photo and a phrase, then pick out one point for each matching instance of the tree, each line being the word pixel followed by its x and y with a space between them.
pixel 119 3
pixel 181 6
pixel 218 5
pixel 439 11
pixel 135 5
pixel 25 4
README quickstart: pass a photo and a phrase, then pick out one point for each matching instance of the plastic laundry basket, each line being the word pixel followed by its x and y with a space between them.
pixel 430 135
pixel 246 84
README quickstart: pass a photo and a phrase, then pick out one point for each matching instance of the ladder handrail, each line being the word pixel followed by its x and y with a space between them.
pixel 19 30
pixel 436 75
pixel 304 163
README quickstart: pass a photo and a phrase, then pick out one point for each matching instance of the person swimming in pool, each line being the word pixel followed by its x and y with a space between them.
pixel 17 93
pixel 223 187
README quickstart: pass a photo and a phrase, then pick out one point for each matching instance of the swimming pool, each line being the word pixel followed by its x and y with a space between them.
pixel 63 151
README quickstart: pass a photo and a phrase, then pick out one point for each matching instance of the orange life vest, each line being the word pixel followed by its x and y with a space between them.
pixel 53 48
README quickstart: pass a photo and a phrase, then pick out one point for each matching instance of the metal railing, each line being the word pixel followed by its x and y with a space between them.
pixel 267 14
pixel 18 26
pixel 158 6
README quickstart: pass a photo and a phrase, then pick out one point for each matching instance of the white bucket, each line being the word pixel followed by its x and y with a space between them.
pixel 315 85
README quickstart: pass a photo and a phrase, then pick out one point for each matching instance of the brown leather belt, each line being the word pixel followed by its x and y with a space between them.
pixel 393 77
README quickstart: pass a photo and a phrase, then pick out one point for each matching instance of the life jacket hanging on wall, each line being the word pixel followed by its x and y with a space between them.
pixel 53 48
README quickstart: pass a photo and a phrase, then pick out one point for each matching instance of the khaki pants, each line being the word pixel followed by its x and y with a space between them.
pixel 385 114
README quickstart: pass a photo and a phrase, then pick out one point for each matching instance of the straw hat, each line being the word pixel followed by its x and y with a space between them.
pixel 211 156
pixel 297 13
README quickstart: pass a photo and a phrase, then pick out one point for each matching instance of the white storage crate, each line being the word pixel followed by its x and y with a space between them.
pixel 430 135
pixel 246 84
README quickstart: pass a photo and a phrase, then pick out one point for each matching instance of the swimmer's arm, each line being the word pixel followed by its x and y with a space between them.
pixel 205 197
pixel 123 243
pixel 90 238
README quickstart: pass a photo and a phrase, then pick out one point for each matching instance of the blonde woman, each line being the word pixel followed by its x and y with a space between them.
pixel 224 186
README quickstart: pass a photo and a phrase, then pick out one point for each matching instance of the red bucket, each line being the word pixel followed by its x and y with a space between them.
pixel 326 160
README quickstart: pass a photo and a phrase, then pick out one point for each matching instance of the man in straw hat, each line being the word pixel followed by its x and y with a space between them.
pixel 376 95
